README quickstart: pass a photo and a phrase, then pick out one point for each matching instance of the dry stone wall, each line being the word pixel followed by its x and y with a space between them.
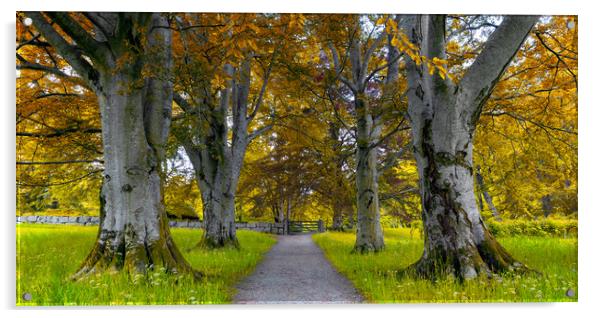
pixel 265 227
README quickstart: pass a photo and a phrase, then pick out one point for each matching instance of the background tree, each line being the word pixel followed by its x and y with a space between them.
pixel 223 99
pixel 367 52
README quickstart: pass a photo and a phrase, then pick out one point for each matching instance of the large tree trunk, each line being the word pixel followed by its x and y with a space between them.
pixel 217 179
pixel 443 116
pixel 134 233
pixel 218 212
pixel 456 240
pixel 369 236
pixel 338 196
pixel 216 160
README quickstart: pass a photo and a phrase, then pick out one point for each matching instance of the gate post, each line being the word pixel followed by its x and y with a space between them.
pixel 320 226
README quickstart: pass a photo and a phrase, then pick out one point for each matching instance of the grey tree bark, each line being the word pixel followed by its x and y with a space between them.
pixel 369 235
pixel 337 198
pixel 444 116
pixel 337 218
pixel 216 158
pixel 135 107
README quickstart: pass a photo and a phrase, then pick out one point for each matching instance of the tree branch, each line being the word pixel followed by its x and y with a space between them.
pixel 558 56
pixel 382 67
pixel 100 22
pixel 482 76
pixel 84 40
pixel 58 162
pixel 370 51
pixel 259 131
pixel 22 184
pixel 395 130
pixel 70 53
pixel 25 65
pixel 264 85
pixel 183 103
pixel 536 123
pixel 60 132
pixel 338 68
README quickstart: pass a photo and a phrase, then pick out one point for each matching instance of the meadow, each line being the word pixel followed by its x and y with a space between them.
pixel 375 275
pixel 47 255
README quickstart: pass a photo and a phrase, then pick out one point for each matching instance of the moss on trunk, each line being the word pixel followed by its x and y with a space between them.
pixel 115 252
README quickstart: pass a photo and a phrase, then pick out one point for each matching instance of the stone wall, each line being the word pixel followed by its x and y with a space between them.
pixel 265 227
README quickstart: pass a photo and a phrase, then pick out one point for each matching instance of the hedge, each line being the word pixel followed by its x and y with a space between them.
pixel 545 227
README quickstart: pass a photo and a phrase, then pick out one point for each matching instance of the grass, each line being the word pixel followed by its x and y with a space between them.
pixel 48 254
pixel 374 275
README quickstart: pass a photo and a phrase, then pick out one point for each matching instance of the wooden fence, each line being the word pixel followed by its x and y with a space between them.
pixel 305 226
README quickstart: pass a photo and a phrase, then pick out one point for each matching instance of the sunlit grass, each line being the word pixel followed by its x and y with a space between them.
pixel 48 254
pixel 374 275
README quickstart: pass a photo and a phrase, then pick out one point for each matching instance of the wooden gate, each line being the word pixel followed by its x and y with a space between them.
pixel 305 226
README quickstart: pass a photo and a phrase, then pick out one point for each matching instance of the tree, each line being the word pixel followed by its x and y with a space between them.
pixel 444 116
pixel 370 92
pixel 115 55
pixel 221 103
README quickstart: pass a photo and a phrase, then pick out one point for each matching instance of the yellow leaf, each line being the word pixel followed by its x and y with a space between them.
pixel 253 27
pixel 431 68
pixel 391 26
pixel 439 62
pixel 442 75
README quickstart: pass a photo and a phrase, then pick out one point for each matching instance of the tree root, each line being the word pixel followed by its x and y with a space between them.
pixel 367 249
pixel 134 259
pixel 210 243
pixel 485 260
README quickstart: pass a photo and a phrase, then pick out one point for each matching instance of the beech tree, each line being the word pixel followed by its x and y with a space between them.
pixel 368 52
pixel 115 55
pixel 444 117
pixel 222 101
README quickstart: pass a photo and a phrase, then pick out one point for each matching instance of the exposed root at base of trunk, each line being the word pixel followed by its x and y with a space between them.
pixel 138 259
pixel 368 248
pixel 489 258
pixel 210 243
pixel 498 259
pixel 337 229
pixel 433 268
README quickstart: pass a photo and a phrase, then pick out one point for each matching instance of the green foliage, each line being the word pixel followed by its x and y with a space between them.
pixel 77 198
pixel 544 227
pixel 182 197
pixel 36 199
pixel 550 227
pixel 47 256
pixel 375 275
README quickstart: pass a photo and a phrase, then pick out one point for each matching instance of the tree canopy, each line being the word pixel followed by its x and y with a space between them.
pixel 301 87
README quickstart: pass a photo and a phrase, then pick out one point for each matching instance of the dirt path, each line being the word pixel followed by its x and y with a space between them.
pixel 296 271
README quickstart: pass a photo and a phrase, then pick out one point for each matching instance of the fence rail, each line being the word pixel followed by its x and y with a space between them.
pixel 305 226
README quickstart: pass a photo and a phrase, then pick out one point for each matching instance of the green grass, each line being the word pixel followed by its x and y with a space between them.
pixel 374 275
pixel 48 254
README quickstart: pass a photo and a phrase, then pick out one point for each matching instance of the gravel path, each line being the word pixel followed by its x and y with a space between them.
pixel 296 271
